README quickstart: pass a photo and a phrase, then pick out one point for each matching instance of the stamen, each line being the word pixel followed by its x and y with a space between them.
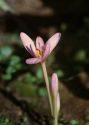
pixel 39 53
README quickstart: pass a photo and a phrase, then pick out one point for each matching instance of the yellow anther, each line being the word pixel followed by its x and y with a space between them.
pixel 39 53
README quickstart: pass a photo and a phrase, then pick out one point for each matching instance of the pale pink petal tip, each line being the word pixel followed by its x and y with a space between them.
pixel 58 34
pixel 56 37
pixel 22 33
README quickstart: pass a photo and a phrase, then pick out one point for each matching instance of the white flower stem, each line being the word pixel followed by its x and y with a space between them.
pixel 55 121
pixel 55 114
pixel 47 85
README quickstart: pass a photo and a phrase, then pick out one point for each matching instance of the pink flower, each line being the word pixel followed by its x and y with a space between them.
pixel 40 51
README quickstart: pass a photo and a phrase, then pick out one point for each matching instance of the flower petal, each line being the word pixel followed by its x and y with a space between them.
pixel 28 43
pixel 53 41
pixel 46 53
pixel 33 60
pixel 39 43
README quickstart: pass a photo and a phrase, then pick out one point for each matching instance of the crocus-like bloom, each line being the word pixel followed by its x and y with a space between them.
pixel 40 51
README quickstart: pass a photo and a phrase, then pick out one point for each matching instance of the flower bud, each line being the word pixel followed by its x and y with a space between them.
pixel 54 85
